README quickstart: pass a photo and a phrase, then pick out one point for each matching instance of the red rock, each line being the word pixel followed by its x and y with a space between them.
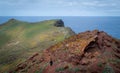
pixel 88 51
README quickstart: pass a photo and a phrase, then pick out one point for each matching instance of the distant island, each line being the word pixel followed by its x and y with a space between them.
pixel 50 47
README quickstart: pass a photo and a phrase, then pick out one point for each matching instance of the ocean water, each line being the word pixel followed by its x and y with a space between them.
pixel 111 25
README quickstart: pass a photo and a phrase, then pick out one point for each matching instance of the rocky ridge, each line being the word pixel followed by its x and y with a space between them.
pixel 87 52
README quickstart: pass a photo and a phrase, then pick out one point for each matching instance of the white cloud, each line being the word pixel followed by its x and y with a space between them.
pixel 98 3
pixel 62 6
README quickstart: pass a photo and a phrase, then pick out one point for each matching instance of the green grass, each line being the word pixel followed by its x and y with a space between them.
pixel 59 69
pixel 37 29
pixel 70 68
pixel 100 64
pixel 76 69
pixel 116 61
pixel 19 40
pixel 42 68
pixel 4 38
pixel 108 69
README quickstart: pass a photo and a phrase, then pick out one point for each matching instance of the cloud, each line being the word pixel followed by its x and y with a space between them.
pixel 98 3
pixel 67 3
pixel 43 7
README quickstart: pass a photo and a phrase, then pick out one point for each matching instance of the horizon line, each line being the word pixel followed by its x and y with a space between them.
pixel 62 16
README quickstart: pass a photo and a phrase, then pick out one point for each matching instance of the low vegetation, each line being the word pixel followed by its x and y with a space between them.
pixel 19 40
pixel 108 69
pixel 60 69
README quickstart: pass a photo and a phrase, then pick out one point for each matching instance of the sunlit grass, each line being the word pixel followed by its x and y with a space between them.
pixel 20 40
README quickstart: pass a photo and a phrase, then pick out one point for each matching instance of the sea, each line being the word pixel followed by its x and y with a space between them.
pixel 109 24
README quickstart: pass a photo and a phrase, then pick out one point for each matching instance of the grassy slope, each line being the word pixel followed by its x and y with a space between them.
pixel 19 40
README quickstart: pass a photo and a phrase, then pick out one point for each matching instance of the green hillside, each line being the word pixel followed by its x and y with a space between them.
pixel 19 40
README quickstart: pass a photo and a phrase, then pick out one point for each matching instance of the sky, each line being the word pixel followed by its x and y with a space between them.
pixel 59 7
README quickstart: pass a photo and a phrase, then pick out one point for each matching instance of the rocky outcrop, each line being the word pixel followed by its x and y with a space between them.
pixel 59 23
pixel 88 52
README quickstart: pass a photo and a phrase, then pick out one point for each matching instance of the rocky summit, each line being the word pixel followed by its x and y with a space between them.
pixel 87 52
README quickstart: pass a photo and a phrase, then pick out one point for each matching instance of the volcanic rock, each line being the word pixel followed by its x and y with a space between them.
pixel 87 52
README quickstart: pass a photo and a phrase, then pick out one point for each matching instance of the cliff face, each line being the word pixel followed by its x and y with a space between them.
pixel 19 40
pixel 87 52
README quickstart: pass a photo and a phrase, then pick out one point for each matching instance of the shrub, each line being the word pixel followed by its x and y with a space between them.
pixel 60 69
pixel 42 68
pixel 76 69
pixel 100 64
pixel 108 69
